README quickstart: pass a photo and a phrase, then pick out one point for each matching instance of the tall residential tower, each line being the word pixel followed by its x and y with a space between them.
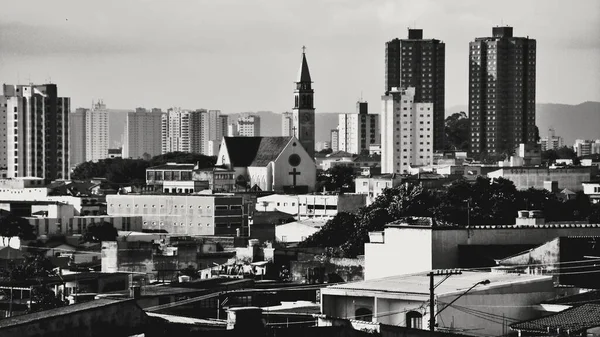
pixel 143 134
pixel 419 63
pixel 501 92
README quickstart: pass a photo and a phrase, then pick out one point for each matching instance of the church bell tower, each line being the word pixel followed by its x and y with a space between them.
pixel 304 110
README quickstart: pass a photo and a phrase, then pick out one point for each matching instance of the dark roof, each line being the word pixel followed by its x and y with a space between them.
pixel 9 253
pixel 573 320
pixel 254 151
pixel 340 154
pixel 367 158
pixel 114 151
pixel 66 310
pixel 304 73
pixel 172 166
pixel 577 299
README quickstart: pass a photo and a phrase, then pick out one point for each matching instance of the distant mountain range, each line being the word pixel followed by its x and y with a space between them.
pixel 581 121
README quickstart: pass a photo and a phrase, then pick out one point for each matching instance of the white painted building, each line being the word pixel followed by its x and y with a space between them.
pixel 298 231
pixel 373 186
pixel 335 140
pixel 403 300
pixel 406 132
pixel 592 190
pixel 96 132
pixel 311 206
pixel 358 131
pixel 248 126
pixel 552 142
pixel 176 131
pixel 287 123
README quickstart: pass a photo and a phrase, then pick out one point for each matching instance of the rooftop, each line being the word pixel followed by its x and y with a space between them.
pixel 36 316
pixel 577 299
pixel 418 284
pixel 573 320
pixel 254 151
pixel 173 166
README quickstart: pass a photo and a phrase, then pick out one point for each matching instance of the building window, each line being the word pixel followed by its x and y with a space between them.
pixel 414 320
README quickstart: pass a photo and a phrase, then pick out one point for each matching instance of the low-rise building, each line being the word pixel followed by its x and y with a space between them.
pixel 216 214
pixel 115 153
pixel 418 245
pixel 188 178
pixel 308 206
pixel 373 186
pixel 536 177
pixel 592 190
pixel 298 231
pixel 404 300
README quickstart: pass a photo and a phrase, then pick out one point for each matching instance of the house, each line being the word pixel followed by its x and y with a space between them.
pixel 536 177
pixel 373 186
pixel 298 231
pixel 277 164
pixel 592 190
pixel 189 178
pixel 418 246
pixel 583 320
pixel 404 300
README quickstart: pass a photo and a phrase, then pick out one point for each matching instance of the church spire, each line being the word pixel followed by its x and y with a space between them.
pixel 303 73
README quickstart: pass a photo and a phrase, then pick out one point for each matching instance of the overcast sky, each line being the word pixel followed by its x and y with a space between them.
pixel 243 55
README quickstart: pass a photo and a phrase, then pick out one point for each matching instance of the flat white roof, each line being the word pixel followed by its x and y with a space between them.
pixel 418 284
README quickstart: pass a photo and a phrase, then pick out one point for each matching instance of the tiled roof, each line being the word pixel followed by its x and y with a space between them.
pixel 577 299
pixel 573 320
pixel 254 151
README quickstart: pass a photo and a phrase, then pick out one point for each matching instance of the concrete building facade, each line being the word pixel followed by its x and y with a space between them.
pixel 96 132
pixel 419 63
pixel 304 110
pixel 501 92
pixel 248 126
pixel 143 133
pixel 406 133
pixel 538 177
pixel 552 142
pixel 36 131
pixel 358 131
pixel 176 136
pixel 77 136
pixel 287 123
pixel 335 140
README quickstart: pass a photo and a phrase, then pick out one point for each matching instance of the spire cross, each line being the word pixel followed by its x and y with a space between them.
pixel 303 49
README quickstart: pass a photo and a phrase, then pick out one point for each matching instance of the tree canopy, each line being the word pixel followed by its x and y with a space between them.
pixel 98 232
pixel 338 178
pixel 457 131
pixel 484 201
pixel 12 225
pixel 121 171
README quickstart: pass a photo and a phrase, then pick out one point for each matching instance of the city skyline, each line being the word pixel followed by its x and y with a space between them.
pixel 121 42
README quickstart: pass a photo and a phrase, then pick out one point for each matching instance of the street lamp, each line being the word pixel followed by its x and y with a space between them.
pixel 484 282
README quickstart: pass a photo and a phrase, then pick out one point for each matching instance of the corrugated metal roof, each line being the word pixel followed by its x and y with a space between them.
pixel 573 320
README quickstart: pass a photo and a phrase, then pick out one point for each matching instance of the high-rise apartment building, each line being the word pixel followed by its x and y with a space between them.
pixel 96 132
pixel 143 134
pixel 199 131
pixel 419 63
pixel 552 142
pixel 501 92
pixel 584 147
pixel 406 133
pixel 77 136
pixel 248 126
pixel 36 132
pixel 287 124
pixel 304 109
pixel 335 140
pixel 176 136
pixel 358 131
pixel 232 130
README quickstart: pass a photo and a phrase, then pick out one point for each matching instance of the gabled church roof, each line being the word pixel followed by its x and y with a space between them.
pixel 254 151
pixel 303 73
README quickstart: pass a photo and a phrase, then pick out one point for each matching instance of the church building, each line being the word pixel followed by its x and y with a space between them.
pixel 279 164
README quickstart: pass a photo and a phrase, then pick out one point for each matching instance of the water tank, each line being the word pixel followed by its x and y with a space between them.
pixel 523 214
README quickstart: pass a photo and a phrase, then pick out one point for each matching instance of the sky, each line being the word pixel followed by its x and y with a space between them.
pixel 244 55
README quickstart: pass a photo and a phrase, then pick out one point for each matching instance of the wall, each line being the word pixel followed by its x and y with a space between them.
pixel 524 178
pixel 278 202
pixel 404 251
pixel 178 214
pixel 282 168
pixel 78 224
pixel 294 232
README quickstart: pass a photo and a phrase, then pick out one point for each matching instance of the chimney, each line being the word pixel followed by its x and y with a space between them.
pixel 530 218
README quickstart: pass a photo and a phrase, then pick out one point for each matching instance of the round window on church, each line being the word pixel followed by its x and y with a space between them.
pixel 294 160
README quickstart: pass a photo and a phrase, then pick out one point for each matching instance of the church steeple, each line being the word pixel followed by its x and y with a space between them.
pixel 304 110
pixel 304 73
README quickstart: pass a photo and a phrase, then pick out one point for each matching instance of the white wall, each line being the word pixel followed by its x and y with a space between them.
pixel 410 249
pixel 294 232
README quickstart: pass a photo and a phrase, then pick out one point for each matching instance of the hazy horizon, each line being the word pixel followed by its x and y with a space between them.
pixel 239 56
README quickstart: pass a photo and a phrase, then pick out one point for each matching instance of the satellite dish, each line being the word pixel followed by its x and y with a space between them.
pixel 14 242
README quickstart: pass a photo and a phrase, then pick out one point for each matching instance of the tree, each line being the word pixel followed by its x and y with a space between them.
pixel 98 232
pixel 338 178
pixel 12 225
pixel 457 131
pixel 334 233
pixel 35 267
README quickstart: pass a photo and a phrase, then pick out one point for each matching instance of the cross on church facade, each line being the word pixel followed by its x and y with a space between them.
pixel 294 174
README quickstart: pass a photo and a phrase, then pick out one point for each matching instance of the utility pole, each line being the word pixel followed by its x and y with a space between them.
pixel 443 272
